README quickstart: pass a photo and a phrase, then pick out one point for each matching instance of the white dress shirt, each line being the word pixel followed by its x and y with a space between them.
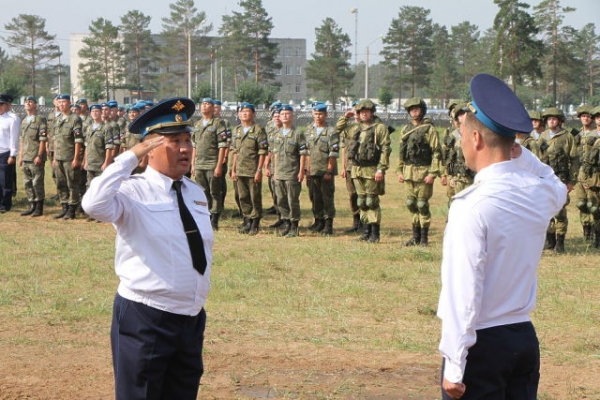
pixel 10 126
pixel 152 259
pixel 492 246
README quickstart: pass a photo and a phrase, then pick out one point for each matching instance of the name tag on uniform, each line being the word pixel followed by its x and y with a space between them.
pixel 200 203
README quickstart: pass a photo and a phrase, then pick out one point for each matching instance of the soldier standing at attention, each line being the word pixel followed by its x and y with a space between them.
pixel 250 146
pixel 32 157
pixel 51 121
pixel 342 126
pixel 369 149
pixel 289 156
pixel 561 155
pixel 537 123
pixel 217 114
pixel 98 144
pixel 210 147
pixel 457 176
pixel 68 144
pixel 273 125
pixel 590 170
pixel 418 166
pixel 323 147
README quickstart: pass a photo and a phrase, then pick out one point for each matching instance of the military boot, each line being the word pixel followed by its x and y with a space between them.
pixel 277 223
pixel 286 225
pixel 318 225
pixel 560 244
pixel 39 209
pixel 328 229
pixel 254 227
pixel 311 227
pixel 244 228
pixel 550 241
pixel 214 221
pixel 294 231
pixel 374 236
pixel 65 209
pixel 355 224
pixel 31 209
pixel 366 233
pixel 416 239
pixel 72 210
pixel 424 237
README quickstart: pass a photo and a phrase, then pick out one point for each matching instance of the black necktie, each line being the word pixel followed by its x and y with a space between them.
pixel 191 231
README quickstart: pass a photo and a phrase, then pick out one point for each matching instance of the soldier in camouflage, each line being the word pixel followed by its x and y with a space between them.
pixel 68 142
pixel 342 125
pixel 558 150
pixel 32 157
pixel 418 166
pixel 590 177
pixel 210 140
pixel 369 149
pixel 249 147
pixel 323 147
pixel 538 124
pixel 272 126
pixel 585 140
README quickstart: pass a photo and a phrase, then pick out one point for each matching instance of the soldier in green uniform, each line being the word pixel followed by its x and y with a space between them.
pixel 538 124
pixel 418 166
pixel 217 114
pixel 32 157
pixel 342 125
pixel 559 151
pixel 68 142
pixel 271 127
pixel 51 119
pixel 589 177
pixel 456 175
pixel 369 149
pixel 250 146
pixel 323 147
pixel 210 146
pixel 584 140
pixel 288 157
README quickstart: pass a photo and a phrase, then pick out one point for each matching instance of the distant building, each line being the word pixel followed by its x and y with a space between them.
pixel 291 77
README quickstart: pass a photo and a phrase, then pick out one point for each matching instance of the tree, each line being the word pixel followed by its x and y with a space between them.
pixel 516 52
pixel 34 45
pixel 11 81
pixel 587 50
pixel 443 79
pixel 255 93
pixel 104 57
pixel 549 16
pixel 329 72
pixel 246 43
pixel 140 48
pixel 464 39
pixel 184 33
pixel 385 96
pixel 408 48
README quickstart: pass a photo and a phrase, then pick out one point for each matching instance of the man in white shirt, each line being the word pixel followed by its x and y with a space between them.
pixel 162 261
pixel 492 246
pixel 10 126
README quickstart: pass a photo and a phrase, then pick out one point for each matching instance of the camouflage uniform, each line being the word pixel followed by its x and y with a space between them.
pixel 559 151
pixel 323 145
pixel 209 140
pixel 98 141
pixel 419 157
pixel 248 147
pixel 591 171
pixel 33 132
pixel 455 170
pixel 67 132
pixel 342 127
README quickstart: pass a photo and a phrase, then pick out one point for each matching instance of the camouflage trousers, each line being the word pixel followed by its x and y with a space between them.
pixel 33 180
pixel 91 175
pixel 321 194
pixel 368 191
pixel 560 222
pixel 250 194
pixel 213 188
pixel 68 182
pixel 417 201
pixel 351 189
pixel 582 198
pixel 288 198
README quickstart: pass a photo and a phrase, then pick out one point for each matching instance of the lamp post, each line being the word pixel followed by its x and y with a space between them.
pixel 355 12
pixel 367 67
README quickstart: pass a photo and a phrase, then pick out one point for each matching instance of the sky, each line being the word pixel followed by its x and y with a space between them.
pixel 291 19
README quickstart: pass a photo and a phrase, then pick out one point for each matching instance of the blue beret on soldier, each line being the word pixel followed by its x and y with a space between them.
pixel 81 101
pixel 112 104
pixel 207 100
pixel 63 97
pixel 319 106
pixel 217 102
pixel 95 107
pixel 496 106
pixel 275 105
pixel 170 116
pixel 31 98
pixel 77 106
pixel 246 105
pixel 287 107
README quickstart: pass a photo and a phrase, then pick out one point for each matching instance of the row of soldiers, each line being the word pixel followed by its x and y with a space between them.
pixel 80 138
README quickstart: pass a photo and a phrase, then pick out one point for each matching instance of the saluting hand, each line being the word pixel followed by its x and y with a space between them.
pixel 143 148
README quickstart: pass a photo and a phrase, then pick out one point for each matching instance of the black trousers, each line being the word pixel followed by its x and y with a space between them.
pixel 504 364
pixel 157 355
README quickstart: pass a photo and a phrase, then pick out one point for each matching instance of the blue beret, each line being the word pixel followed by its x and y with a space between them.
pixel 275 105
pixel 63 97
pixel 149 103
pixel 320 107
pixel 76 106
pixel 95 107
pixel 246 105
pixel 287 107
pixel 207 100
pixel 105 104
pixel 169 116
pixel 112 104
pixel 31 98
pixel 81 101
pixel 122 108
pixel 498 107
pixel 217 102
